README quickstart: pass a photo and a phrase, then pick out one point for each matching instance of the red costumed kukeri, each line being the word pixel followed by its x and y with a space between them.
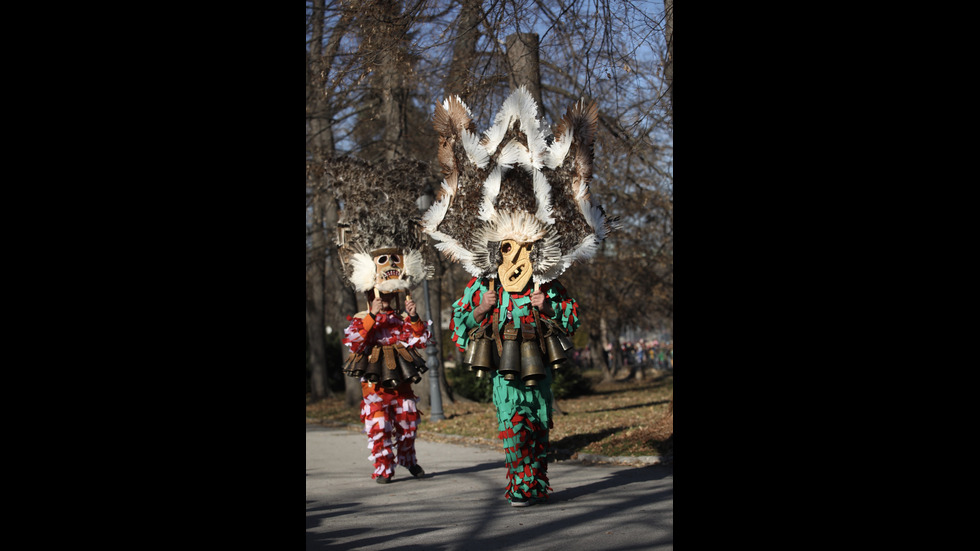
pixel 381 248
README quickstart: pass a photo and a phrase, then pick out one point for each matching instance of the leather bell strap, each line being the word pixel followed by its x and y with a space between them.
pixel 389 357
pixel 494 322
pixel 403 352
pixel 539 328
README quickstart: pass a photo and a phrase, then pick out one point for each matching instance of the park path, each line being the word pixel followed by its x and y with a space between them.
pixel 459 505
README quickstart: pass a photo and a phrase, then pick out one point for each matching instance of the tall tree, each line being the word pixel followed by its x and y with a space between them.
pixel 669 34
pixel 319 145
pixel 459 81
pixel 619 52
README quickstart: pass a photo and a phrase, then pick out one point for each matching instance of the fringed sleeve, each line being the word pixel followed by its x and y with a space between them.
pixel 564 306
pixel 355 336
pixel 418 333
pixel 463 322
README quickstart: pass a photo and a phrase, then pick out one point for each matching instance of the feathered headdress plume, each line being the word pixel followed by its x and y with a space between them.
pixel 516 182
pixel 379 213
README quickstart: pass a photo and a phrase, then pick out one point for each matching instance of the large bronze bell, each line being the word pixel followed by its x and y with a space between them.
pixel 359 365
pixel 532 368
pixel 373 372
pixel 407 370
pixel 556 354
pixel 482 359
pixel 392 375
pixel 392 378
pixel 419 363
pixel 349 364
pixel 566 342
pixel 510 359
pixel 470 354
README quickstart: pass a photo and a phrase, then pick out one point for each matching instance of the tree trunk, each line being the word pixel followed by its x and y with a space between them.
pixel 393 73
pixel 460 80
pixel 615 349
pixel 597 349
pixel 320 143
pixel 314 307
pixel 522 56
pixel 618 344
pixel 669 69
pixel 343 302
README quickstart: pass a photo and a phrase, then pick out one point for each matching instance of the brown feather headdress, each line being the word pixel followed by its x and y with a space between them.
pixel 516 183
pixel 379 214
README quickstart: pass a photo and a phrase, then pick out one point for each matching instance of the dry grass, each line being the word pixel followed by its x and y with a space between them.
pixel 621 418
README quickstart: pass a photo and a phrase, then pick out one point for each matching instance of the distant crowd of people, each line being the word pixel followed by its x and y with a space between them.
pixel 644 354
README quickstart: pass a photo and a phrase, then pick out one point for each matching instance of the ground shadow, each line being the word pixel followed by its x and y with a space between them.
pixel 471 469
pixel 648 404
pixel 575 442
pixel 322 541
pixel 327 511
pixel 629 382
pixel 618 478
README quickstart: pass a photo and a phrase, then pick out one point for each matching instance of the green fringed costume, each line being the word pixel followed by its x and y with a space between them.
pixel 523 412
pixel 515 205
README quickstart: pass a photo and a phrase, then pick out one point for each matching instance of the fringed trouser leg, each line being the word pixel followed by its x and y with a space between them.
pixel 526 456
pixel 390 423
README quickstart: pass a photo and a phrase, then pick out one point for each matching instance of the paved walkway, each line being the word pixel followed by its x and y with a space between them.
pixel 459 505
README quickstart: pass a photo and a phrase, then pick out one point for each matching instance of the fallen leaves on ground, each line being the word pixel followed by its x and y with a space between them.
pixel 621 418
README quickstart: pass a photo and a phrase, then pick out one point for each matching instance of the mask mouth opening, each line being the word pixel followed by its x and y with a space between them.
pixel 516 272
pixel 390 274
pixel 515 278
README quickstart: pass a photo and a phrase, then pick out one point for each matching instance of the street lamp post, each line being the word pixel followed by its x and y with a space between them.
pixel 432 350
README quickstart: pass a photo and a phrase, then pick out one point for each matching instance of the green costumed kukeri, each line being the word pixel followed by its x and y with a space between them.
pixel 515 210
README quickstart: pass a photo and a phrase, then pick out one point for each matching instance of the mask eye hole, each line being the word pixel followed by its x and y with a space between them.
pixel 530 246
pixel 383 259
pixel 505 248
pixel 394 258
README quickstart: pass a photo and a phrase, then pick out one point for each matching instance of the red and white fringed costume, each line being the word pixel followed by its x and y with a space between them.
pixel 390 415
pixel 390 418
pixel 385 329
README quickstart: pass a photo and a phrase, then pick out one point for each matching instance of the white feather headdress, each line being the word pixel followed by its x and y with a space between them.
pixel 516 183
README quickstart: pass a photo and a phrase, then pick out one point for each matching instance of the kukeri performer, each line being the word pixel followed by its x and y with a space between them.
pixel 381 250
pixel 515 211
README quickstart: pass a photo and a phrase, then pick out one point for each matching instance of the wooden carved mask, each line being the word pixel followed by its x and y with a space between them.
pixel 515 269
pixel 388 264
